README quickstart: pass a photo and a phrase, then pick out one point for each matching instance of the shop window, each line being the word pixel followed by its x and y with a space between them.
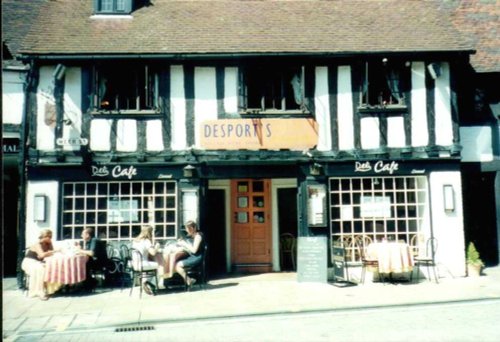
pixel 125 88
pixel 117 210
pixel 380 208
pixel 383 85
pixel 272 89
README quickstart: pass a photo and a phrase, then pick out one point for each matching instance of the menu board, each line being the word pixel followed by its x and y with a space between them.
pixel 312 259
pixel 338 260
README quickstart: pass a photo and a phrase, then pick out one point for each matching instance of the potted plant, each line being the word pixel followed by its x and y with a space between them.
pixel 474 262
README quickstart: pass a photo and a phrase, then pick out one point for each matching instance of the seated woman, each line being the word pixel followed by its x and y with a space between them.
pixel 193 246
pixel 144 244
pixel 34 266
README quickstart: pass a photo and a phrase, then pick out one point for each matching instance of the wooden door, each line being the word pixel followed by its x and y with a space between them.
pixel 251 223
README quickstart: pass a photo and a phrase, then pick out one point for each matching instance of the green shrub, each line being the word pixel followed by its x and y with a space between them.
pixel 473 255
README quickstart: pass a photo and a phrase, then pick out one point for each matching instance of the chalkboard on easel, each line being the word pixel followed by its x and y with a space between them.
pixel 339 264
pixel 312 259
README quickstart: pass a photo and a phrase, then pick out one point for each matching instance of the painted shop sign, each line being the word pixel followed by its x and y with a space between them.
pixel 377 167
pixel 256 134
pixel 72 141
pixel 10 146
pixel 117 171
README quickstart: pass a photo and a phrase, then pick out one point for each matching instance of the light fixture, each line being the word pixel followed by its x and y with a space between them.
pixel 189 171
pixel 315 169
pixel 39 208
pixel 448 198
pixel 59 72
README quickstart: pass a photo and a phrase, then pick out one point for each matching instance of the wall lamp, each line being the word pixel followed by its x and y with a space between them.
pixel 189 171
pixel 39 208
pixel 315 169
pixel 59 72
pixel 449 198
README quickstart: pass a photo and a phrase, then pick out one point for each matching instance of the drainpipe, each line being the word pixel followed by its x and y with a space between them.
pixel 22 165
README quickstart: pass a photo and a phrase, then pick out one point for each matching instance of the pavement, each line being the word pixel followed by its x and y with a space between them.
pixel 231 296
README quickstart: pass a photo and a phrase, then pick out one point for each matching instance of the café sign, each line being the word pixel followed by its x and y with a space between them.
pixel 257 134
pixel 377 167
pixel 117 171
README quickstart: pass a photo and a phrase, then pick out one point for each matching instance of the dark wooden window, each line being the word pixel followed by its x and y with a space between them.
pixel 383 85
pixel 121 87
pixel 272 88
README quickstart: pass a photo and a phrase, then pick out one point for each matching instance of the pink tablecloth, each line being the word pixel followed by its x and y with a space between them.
pixel 65 269
pixel 393 257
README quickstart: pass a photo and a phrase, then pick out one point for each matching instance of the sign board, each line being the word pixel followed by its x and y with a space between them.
pixel 312 259
pixel 256 134
pixel 339 264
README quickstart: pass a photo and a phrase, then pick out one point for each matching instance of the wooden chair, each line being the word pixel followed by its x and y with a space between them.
pixel 288 247
pixel 427 259
pixel 198 272
pixel 140 271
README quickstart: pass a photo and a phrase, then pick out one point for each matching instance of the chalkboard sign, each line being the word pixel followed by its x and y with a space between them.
pixel 339 264
pixel 312 259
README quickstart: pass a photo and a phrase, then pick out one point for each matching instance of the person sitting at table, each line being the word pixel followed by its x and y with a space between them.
pixel 95 249
pixel 151 258
pixel 193 247
pixel 34 266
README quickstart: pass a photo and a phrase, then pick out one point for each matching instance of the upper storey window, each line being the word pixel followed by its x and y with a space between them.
pixel 383 85
pixel 125 88
pixel 113 6
pixel 272 89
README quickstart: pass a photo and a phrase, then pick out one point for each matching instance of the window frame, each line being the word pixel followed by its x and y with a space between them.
pixel 127 7
pixel 145 103
pixel 374 79
pixel 261 79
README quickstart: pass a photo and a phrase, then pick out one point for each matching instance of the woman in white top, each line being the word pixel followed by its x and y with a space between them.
pixel 151 258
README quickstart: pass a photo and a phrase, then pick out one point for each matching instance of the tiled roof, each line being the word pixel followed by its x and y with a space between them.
pixel 246 26
pixel 479 20
pixel 17 17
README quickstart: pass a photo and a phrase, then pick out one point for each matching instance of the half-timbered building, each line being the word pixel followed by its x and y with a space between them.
pixel 255 118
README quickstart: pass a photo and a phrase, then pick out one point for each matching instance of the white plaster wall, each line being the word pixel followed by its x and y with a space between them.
pixel 322 107
pixel 444 126
pixel 477 143
pixel 126 135
pixel 72 106
pixel 448 227
pixel 370 132
pixel 12 97
pixel 205 103
pixel 45 132
pixel 345 115
pixel 396 132
pixel 178 108
pixel 51 190
pixel 419 130
pixel 100 135
pixel 154 135
pixel 231 90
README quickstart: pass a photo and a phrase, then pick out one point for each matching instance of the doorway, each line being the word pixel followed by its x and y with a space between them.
pixel 287 222
pixel 215 233
pixel 251 225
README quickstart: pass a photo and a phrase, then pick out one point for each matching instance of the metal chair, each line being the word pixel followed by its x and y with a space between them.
pixel 287 248
pixel 199 272
pixel 140 271
pixel 362 243
pixel 427 259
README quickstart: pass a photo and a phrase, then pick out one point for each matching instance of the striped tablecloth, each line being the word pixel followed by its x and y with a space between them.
pixel 65 269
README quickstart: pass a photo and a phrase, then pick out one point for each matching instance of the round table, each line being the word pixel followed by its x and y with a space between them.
pixel 65 269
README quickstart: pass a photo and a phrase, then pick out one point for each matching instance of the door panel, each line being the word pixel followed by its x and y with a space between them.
pixel 251 224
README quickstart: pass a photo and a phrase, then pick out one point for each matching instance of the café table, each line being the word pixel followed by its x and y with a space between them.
pixel 65 268
pixel 392 256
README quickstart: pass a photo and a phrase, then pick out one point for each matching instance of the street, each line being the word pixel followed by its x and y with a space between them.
pixel 460 321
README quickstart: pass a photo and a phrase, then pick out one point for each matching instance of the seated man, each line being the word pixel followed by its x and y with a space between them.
pixel 95 249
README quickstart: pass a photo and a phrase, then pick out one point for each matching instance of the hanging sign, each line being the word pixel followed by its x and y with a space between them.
pixel 255 134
